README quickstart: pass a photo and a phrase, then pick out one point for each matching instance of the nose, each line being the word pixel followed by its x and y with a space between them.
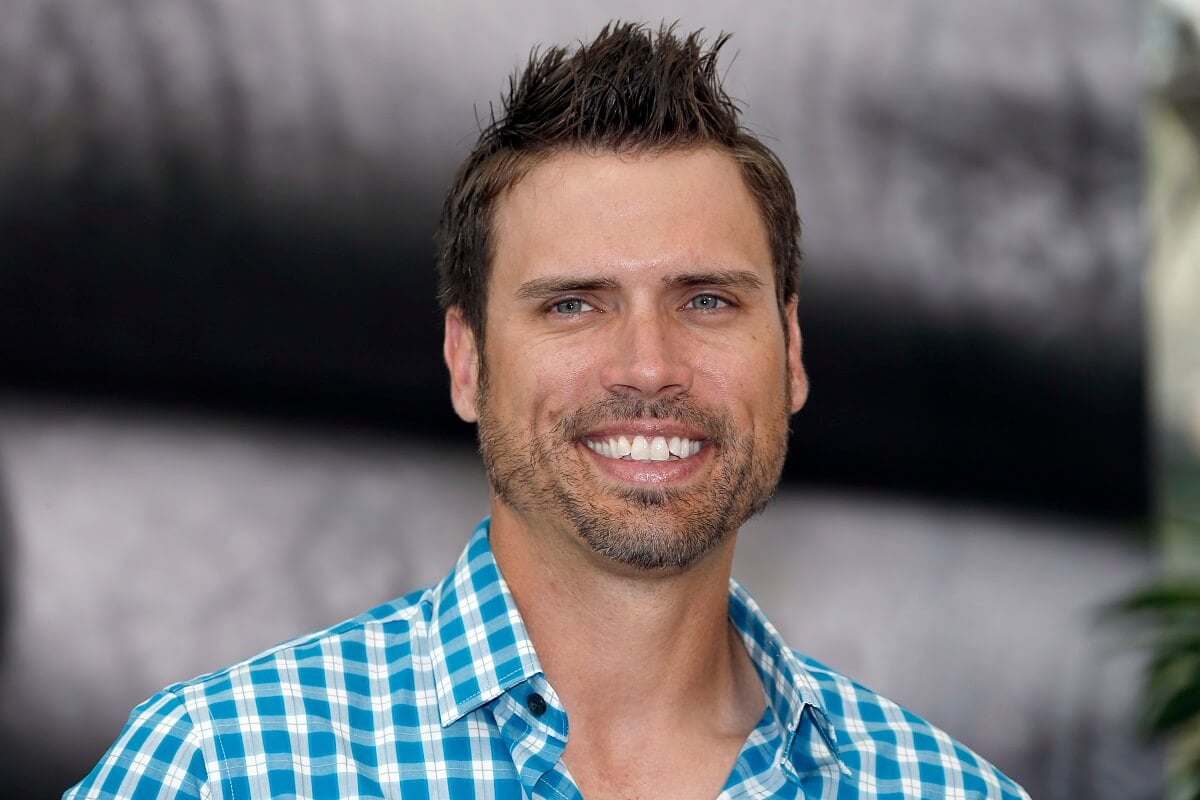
pixel 646 358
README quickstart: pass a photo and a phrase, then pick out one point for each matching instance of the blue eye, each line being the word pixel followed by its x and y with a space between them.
pixel 571 306
pixel 706 302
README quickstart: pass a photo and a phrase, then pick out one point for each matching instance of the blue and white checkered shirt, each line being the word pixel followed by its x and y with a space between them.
pixel 440 694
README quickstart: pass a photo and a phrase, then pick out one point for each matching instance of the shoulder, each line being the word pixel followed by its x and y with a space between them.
pixel 347 658
pixel 156 755
pixel 230 726
pixel 886 745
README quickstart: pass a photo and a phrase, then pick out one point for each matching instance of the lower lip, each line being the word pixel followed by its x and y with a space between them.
pixel 652 473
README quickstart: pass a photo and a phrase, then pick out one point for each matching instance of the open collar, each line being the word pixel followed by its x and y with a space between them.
pixel 478 643
pixel 480 649
pixel 809 742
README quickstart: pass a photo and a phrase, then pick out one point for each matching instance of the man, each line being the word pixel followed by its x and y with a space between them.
pixel 619 264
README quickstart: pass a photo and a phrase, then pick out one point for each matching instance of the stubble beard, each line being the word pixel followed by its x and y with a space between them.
pixel 650 529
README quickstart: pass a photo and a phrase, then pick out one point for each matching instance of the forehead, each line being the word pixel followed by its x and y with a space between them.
pixel 582 213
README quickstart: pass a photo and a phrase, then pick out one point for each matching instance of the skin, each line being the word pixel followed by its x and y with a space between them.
pixel 632 292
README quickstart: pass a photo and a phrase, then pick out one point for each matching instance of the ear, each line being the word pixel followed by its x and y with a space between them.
pixel 797 378
pixel 462 359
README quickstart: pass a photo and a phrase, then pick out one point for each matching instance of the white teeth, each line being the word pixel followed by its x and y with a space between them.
pixel 640 450
pixel 656 448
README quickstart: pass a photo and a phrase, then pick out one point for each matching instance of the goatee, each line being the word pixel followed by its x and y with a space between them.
pixel 648 528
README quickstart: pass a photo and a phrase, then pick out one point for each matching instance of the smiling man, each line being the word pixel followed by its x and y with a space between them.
pixel 619 264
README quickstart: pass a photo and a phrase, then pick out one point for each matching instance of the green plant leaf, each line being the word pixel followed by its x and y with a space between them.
pixel 1174 596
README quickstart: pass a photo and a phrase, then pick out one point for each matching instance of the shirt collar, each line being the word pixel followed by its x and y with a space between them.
pixel 480 649
pixel 479 646
pixel 808 738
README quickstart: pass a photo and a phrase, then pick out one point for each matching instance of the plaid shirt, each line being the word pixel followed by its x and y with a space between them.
pixel 440 694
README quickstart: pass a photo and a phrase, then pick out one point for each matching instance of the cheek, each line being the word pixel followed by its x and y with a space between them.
pixel 557 368
pixel 747 373
pixel 560 384
pixel 714 379
pixel 540 381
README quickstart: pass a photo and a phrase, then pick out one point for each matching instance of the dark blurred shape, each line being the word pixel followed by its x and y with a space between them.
pixel 8 568
pixel 228 205
pixel 33 770
pixel 28 767
pixel 964 414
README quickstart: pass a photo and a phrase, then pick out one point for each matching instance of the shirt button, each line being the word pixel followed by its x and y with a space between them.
pixel 536 704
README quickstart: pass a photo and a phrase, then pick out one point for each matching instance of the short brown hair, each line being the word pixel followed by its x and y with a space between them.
pixel 630 90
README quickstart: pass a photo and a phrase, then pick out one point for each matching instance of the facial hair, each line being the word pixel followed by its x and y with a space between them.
pixel 649 528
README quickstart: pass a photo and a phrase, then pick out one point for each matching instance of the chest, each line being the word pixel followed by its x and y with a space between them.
pixel 483 755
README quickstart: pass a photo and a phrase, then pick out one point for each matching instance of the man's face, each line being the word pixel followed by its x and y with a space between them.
pixel 635 383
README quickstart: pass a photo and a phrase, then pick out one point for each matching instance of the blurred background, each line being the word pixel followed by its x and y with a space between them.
pixel 224 417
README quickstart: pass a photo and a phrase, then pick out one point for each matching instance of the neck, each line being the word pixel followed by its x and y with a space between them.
pixel 630 652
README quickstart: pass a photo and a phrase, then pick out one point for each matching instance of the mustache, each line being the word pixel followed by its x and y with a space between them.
pixel 681 409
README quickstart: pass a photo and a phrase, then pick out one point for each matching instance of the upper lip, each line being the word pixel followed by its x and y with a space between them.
pixel 645 427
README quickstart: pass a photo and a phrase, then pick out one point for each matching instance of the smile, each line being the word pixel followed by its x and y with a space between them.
pixel 642 448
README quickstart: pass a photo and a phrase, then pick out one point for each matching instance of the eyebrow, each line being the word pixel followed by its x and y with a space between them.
pixel 722 278
pixel 539 288
pixel 555 284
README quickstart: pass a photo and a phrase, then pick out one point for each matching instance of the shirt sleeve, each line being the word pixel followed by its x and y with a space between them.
pixel 156 757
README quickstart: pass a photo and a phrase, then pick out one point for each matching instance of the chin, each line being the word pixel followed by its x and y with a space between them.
pixel 649 538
